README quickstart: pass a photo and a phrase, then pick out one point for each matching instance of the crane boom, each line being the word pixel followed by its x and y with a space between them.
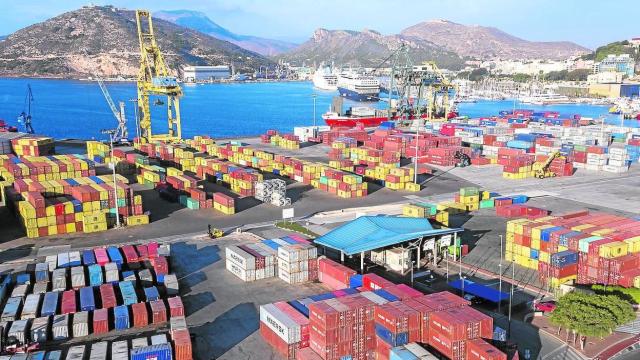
pixel 121 130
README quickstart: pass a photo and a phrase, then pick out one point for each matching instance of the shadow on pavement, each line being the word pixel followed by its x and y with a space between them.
pixel 196 302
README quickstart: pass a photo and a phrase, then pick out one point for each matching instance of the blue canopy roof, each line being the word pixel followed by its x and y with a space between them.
pixel 480 290
pixel 374 232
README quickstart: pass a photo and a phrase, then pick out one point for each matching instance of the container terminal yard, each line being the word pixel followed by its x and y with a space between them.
pixel 431 236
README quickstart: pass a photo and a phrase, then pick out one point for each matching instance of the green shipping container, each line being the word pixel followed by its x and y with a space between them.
pixel 583 244
pixel 487 204
pixel 454 250
pixel 430 208
pixel 469 191
pixel 193 204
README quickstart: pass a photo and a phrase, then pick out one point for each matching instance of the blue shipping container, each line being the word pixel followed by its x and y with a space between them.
pixel 385 295
pixel 300 307
pixel 272 244
pixel 401 353
pixel 115 256
pixel 564 258
pixel 87 301
pixel 321 297
pixel 121 317
pixel 42 275
pixel 23 278
pixel 38 355
pixel 545 234
pixel 533 254
pixel 519 199
pixel 289 240
pixel 88 258
pixel 129 296
pixel 391 338
pixel 53 355
pixel 156 352
pixel 49 304
pixel 63 260
pixel 151 293
pixel 355 281
pixel 95 275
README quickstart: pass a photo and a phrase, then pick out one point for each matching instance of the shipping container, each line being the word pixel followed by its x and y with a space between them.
pixel 68 302
pixel 479 349
pixel 176 308
pixel 182 345
pixel 140 314
pixel 75 259
pixel 87 300
pixel 60 327
pixel 121 317
pixel 158 312
pixel 101 321
pixel 23 278
pixel 11 309
pixel 76 353
pixel 40 288
pixel 20 330
pixel 52 262
pixel 159 339
pixel 111 273
pixel 81 324
pixel 59 277
pixel 151 293
pixel 40 329
pixel 115 256
pixel 177 323
pixel 54 355
pixel 102 257
pixel 38 355
pixel 157 352
pixel 31 308
pixel 120 350
pixel 131 257
pixel 42 272
pixel 146 278
pixel 50 304
pixel 77 277
pixel 95 275
pixel 88 258
pixel 63 260
pixel 128 293
pixel 99 351
pixel 171 285
pixel 130 275
pixel 20 291
pixel 139 342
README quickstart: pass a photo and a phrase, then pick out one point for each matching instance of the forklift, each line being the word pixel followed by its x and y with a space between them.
pixel 463 159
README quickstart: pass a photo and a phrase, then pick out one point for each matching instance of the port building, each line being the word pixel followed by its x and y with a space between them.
pixel 206 73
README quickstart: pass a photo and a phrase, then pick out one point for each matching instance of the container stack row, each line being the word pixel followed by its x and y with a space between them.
pixel 368 321
pixel 578 247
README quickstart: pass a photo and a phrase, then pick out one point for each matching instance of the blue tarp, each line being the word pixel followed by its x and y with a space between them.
pixel 374 232
pixel 479 290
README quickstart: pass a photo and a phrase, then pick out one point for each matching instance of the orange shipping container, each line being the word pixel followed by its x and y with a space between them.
pixel 182 345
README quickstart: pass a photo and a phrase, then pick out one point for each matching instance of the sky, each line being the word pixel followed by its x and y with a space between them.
pixel 590 23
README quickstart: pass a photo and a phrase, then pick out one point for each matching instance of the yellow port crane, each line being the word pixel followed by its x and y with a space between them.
pixel 542 169
pixel 154 80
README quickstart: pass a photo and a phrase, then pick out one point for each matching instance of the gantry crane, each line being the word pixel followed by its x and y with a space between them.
pixel 25 115
pixel 154 79
pixel 121 132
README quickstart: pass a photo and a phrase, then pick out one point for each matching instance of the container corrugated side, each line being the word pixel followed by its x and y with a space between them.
pixel 245 260
pixel 77 277
pixel 99 351
pixel 281 324
pixel 11 309
pixel 19 329
pixel 60 327
pixel 120 350
pixel 76 353
pixel 157 352
pixel 59 280
pixel 139 342
pixel 40 329
pixel 159 339
pixel 81 324
pixel 31 307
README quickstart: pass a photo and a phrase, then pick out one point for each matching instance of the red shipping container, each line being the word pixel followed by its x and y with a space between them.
pixel 143 252
pixel 108 296
pixel 130 255
pixel 158 312
pixel 160 265
pixel 140 314
pixel 375 282
pixel 101 321
pixel 68 302
pixel 152 248
pixel 182 345
pixel 307 354
pixel 176 308
pixel 281 346
pixel 101 256
pixel 442 300
pixel 334 270
pixel 454 350
pixel 461 323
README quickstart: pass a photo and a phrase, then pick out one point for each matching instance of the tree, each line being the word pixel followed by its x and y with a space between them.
pixel 590 315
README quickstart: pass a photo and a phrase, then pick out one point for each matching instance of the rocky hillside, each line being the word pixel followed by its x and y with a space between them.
pixel 104 40
pixel 198 21
pixel 366 48
pixel 488 42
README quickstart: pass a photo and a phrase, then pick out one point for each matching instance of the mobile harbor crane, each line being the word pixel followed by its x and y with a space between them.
pixel 121 133
pixel 543 171
pixel 154 80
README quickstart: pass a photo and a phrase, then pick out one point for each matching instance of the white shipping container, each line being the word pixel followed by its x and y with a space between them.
pixel 76 353
pixel 99 351
pixel 294 266
pixel 59 280
pixel 77 277
pixel 293 278
pixel 139 342
pixel 40 288
pixel 40 329
pixel 63 260
pixel 74 258
pixel 31 308
pixel 287 329
pixel 375 298
pixel 239 271
pixel 171 284
pixel 12 309
pixel 159 339
pixel 120 350
pixel 20 291
pixel 420 352
pixel 615 169
pixel 177 323
pixel 19 329
pixel 146 278
pixel 60 327
pixel 80 324
pixel 52 261
pixel 243 259
pixel 111 273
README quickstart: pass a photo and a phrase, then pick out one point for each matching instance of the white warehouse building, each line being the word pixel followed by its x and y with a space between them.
pixel 206 73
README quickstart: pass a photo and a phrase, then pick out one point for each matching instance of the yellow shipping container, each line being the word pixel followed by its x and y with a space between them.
pixel 602 232
pixel 544 257
pixel 511 224
pixel 535 244
pixel 633 244
pixel 510 237
pixel 70 227
pixel 410 186
pixel 614 249
pixel 137 220
pixel 32 233
pixel 411 210
pixel 443 217
pixel 556 282
pixel 582 227
pixel 91 228
pixel 52 229
pixel 536 231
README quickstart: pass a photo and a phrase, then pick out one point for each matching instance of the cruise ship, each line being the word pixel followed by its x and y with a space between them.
pixel 546 99
pixel 325 79
pixel 358 87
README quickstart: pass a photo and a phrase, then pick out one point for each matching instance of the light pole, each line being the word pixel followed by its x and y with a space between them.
pixel 513 276
pixel 314 96
pixel 112 132
pixel 462 284
pixel 500 274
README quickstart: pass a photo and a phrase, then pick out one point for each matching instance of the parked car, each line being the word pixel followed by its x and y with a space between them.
pixel 545 306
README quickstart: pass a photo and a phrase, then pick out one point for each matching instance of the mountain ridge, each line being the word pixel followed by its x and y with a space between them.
pixel 201 22
pixel 103 40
